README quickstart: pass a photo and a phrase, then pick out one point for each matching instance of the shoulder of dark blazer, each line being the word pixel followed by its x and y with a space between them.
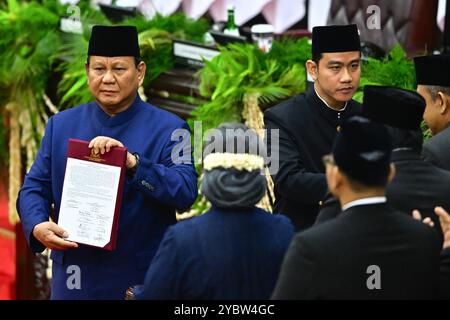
pixel 445 254
pixel 352 216
pixel 435 143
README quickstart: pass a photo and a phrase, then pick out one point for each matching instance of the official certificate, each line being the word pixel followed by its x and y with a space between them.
pixel 89 207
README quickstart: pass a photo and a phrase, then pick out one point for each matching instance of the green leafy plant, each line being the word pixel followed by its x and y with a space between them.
pixel 155 39
pixel 394 70
pixel 178 25
pixel 72 55
pixel 25 64
pixel 73 88
pixel 156 52
pixel 243 69
pixel 27 60
pixel 240 72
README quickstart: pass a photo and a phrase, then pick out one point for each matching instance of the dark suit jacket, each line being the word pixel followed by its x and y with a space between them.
pixel 437 149
pixel 418 185
pixel 307 128
pixel 332 260
pixel 222 254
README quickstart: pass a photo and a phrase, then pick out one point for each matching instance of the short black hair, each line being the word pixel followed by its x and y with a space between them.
pixel 359 186
pixel 316 58
pixel 137 60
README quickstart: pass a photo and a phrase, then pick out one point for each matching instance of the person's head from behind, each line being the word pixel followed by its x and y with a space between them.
pixel 433 83
pixel 359 165
pixel 335 64
pixel 232 166
pixel 400 110
pixel 114 68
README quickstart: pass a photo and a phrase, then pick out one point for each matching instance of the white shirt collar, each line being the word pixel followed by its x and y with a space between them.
pixel 363 201
pixel 340 110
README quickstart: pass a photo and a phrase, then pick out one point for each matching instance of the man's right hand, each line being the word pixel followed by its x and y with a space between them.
pixel 51 236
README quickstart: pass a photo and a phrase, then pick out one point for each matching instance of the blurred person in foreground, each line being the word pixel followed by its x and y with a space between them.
pixel 234 250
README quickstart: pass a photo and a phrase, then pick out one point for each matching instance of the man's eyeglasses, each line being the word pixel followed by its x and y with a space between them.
pixel 328 159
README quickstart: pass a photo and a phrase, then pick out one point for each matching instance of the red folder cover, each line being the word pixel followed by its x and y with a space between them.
pixel 117 156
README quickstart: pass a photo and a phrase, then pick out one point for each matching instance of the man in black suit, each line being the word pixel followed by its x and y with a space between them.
pixel 369 251
pixel 417 184
pixel 308 123
pixel 433 83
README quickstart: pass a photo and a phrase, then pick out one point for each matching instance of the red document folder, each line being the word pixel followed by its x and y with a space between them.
pixel 117 156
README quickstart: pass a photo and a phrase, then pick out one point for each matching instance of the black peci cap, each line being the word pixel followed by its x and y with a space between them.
pixel 395 107
pixel 433 70
pixel 335 39
pixel 113 41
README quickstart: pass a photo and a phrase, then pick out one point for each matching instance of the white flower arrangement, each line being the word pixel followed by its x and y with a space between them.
pixel 239 161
